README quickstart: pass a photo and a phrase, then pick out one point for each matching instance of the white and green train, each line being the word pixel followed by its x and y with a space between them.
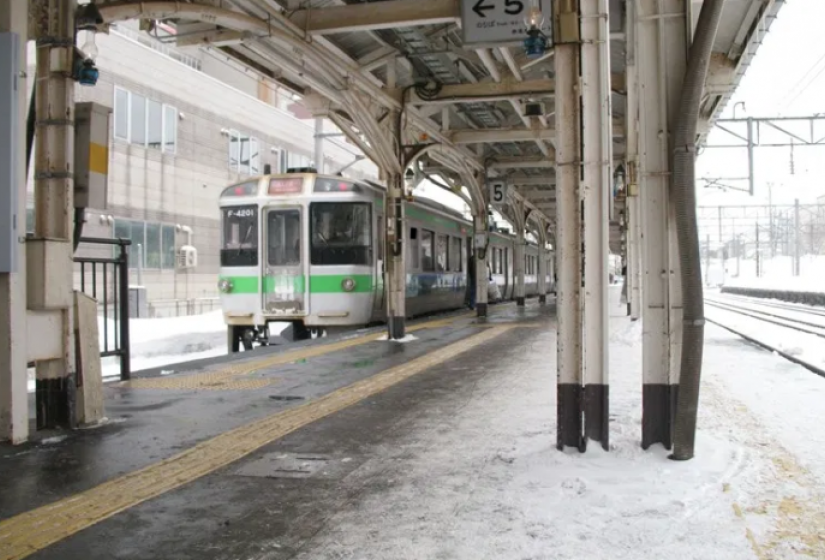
pixel 308 249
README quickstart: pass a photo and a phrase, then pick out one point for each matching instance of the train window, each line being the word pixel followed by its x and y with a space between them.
pixel 427 263
pixel 240 236
pixel 455 255
pixel 414 251
pixel 442 253
pixel 283 233
pixel 341 233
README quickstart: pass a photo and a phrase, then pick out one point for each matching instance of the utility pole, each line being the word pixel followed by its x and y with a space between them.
pixel 707 261
pixel 797 237
pixel 771 231
pixel 757 249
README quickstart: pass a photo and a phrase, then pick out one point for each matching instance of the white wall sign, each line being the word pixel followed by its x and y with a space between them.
pixel 498 193
pixel 498 22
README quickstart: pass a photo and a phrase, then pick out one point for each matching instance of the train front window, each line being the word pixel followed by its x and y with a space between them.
pixel 284 237
pixel 240 236
pixel 341 233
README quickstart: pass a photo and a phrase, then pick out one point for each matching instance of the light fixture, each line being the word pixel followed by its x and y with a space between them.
pixel 534 18
pixel 348 284
pixel 87 17
pixel 89 48
pixel 535 44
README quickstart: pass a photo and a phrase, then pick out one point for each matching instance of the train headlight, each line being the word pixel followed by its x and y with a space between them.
pixel 225 286
pixel 348 284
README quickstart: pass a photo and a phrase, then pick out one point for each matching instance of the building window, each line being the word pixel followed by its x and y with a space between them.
pixel 157 243
pixel 244 154
pixel 145 122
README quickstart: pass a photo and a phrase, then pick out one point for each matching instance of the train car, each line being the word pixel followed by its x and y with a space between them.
pixel 308 249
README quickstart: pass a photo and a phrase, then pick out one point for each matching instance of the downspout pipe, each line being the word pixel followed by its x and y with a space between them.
pixel 683 197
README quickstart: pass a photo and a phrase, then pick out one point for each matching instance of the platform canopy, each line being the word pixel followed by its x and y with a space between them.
pixel 459 68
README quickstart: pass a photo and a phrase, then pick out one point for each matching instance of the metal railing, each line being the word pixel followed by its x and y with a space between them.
pixel 107 280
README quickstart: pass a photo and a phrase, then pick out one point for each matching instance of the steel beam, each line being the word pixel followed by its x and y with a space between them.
pixel 523 163
pixel 597 183
pixel 488 135
pixel 482 92
pixel 366 17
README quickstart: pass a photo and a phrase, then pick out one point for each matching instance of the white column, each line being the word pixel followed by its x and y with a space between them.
pixel 480 240
pixel 597 137
pixel 396 274
pixel 634 231
pixel 14 410
pixel 542 269
pixel 661 54
pixel 319 144
pixel 568 246
pixel 518 264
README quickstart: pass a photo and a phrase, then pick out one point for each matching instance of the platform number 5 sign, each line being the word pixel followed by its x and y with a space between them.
pixel 498 192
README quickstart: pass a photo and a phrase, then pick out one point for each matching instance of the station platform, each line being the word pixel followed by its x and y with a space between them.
pixel 439 447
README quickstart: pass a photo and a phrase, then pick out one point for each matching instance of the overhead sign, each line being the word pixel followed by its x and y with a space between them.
pixel 500 22
pixel 498 193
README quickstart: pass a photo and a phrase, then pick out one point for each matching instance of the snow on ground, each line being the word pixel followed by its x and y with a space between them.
pixel 807 347
pixel 478 477
pixel 776 273
pixel 160 342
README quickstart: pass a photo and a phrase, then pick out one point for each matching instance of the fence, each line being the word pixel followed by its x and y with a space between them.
pixel 107 280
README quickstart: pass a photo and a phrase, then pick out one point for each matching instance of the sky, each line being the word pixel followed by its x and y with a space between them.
pixel 787 79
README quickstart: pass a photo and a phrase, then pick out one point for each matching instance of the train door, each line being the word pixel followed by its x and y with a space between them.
pixel 378 301
pixel 283 267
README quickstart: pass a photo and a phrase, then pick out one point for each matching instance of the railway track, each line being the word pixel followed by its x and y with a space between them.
pixel 793 318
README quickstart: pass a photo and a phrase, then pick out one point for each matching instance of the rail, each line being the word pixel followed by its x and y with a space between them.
pixel 106 279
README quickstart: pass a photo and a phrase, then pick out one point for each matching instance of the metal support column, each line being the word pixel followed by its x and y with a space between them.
pixel 542 267
pixel 319 144
pixel 518 265
pixel 568 228
pixel 482 275
pixel 597 176
pixel 50 252
pixel 633 218
pixel 14 402
pixel 661 53
pixel 396 276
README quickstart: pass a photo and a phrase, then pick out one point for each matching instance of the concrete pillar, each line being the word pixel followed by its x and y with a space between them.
pixel 14 411
pixel 319 144
pixel 482 277
pixel 568 229
pixel 518 265
pixel 597 183
pixel 661 53
pixel 395 263
pixel 50 252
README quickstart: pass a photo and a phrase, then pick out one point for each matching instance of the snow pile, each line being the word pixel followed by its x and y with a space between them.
pixel 777 274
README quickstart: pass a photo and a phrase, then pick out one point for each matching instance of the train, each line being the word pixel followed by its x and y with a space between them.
pixel 308 249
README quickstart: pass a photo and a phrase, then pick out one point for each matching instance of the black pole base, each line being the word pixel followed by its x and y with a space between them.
pixel 397 328
pixel 569 417
pixel 658 414
pixel 543 299
pixel 596 413
pixel 55 403
pixel 481 309
pixel 520 301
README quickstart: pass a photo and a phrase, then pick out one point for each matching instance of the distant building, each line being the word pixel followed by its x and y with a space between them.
pixel 184 125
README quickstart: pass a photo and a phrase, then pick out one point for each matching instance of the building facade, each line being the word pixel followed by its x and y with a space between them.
pixel 184 125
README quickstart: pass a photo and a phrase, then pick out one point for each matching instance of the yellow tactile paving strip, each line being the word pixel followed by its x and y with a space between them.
pixel 235 377
pixel 29 532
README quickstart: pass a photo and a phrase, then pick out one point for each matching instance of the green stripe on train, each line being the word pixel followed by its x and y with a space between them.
pixel 331 283
pixel 318 284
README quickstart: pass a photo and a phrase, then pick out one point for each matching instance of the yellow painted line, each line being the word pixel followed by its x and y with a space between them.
pixel 29 532
pixel 232 378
